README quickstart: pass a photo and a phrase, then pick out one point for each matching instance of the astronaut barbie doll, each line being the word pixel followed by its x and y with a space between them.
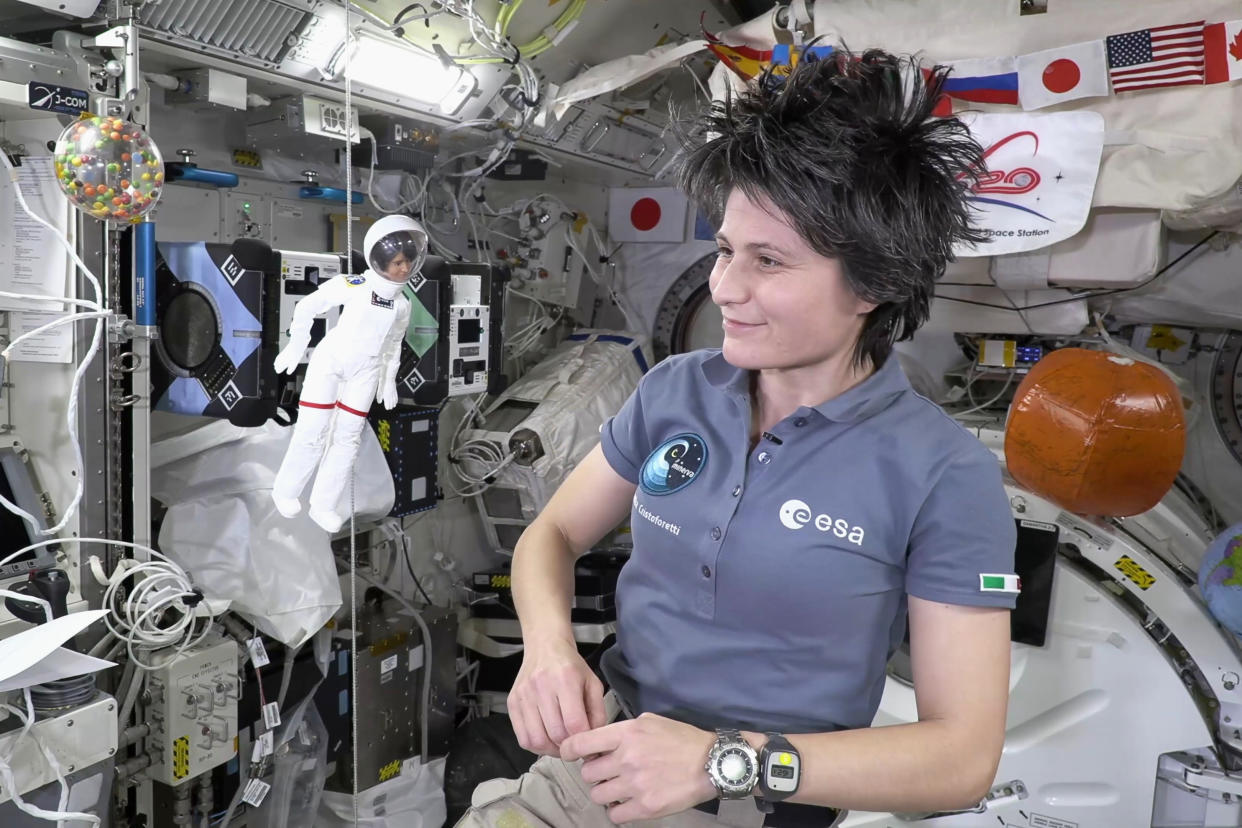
pixel 355 363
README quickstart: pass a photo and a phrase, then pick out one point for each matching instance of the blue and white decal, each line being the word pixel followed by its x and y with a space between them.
pixel 674 465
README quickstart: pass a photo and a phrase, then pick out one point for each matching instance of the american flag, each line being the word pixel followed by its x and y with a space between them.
pixel 1150 58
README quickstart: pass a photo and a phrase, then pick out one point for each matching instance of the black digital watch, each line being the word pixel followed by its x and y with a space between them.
pixel 780 769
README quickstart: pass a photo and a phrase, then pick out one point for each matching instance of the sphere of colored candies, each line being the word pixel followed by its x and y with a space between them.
pixel 109 168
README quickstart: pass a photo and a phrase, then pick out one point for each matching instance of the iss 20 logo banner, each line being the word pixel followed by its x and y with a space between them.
pixel 1041 173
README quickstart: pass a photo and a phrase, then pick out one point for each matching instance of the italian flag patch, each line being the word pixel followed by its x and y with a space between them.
pixel 1011 584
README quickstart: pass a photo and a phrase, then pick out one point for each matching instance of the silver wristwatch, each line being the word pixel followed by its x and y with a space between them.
pixel 732 765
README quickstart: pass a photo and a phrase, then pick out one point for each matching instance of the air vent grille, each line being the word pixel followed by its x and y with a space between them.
pixel 256 29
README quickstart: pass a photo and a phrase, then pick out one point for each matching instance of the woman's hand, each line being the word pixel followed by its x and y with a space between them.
pixel 554 696
pixel 644 768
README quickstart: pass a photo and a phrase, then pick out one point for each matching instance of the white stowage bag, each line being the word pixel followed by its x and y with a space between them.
pixel 412 799
pixel 223 528
pixel 584 381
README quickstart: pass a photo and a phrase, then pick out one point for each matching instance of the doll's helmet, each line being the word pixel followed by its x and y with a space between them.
pixel 394 236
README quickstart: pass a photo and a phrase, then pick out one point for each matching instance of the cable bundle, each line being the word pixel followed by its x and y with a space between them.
pixel 141 618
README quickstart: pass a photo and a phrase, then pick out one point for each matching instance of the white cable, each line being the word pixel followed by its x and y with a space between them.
pixel 38 297
pixel 7 353
pixel 138 625
pixel 403 206
pixel 477 451
pixel 73 253
pixel 981 406
pixel 75 386
pixel 626 311
pixel 107 541
pixel 137 621
pixel 34 599
pixel 27 719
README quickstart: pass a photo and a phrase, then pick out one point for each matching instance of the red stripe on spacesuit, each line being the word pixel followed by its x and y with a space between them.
pixel 316 405
pixel 351 410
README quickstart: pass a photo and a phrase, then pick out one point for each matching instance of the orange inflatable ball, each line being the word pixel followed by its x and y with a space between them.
pixel 1096 433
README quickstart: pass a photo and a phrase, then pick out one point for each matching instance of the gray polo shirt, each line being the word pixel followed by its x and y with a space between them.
pixel 767 587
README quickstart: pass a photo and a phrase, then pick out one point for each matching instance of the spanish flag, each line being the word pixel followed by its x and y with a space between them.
pixel 745 61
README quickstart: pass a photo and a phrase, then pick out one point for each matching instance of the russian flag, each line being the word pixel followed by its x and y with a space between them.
pixel 984 80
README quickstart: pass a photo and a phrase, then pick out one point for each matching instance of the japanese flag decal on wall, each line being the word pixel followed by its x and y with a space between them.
pixel 647 214
pixel 1041 174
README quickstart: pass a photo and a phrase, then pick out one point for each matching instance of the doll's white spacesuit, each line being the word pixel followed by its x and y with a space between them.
pixel 355 363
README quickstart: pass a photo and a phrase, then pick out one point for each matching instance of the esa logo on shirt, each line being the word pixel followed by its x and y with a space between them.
pixel 794 514
pixel 674 465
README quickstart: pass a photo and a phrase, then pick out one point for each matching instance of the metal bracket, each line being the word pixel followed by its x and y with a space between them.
pixel 1213 780
pixel 77 739
pixel 121 329
pixel 123 37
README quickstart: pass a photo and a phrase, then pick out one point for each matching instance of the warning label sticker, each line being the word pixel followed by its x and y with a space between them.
pixel 1131 569
pixel 1041 821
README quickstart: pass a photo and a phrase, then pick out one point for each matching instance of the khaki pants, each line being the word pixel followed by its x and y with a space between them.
pixel 552 794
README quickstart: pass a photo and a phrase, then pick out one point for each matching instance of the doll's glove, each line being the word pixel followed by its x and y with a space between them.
pixel 387 395
pixel 287 360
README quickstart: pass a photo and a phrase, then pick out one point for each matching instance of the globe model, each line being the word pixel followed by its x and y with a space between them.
pixel 1220 578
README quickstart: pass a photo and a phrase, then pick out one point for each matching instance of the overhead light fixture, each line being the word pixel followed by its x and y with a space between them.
pixel 405 70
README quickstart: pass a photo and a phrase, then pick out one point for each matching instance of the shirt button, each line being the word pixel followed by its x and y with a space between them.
pixel 800 422
pixel 737 490
pixel 764 457
pixel 716 533
pixel 707 571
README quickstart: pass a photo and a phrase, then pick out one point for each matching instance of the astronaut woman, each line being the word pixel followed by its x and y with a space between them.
pixel 794 505
pixel 355 363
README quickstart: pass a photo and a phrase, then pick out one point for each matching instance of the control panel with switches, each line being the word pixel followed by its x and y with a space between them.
pixel 469 329
pixel 193 712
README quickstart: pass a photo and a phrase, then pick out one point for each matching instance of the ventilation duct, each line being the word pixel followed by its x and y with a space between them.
pixel 260 31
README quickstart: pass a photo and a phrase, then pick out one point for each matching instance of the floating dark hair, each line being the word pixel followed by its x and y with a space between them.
pixel 846 149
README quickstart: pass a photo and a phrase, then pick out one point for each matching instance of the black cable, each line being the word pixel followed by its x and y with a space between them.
pixel 405 547
pixel 1085 295
pixel 396 21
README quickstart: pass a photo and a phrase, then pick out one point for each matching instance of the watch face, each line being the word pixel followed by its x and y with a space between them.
pixel 734 766
pixel 782 772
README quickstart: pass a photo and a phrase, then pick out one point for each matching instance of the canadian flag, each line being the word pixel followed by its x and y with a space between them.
pixel 647 214
pixel 1222 52
pixel 1063 74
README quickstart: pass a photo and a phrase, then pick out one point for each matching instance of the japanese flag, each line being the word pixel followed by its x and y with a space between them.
pixel 647 214
pixel 1063 74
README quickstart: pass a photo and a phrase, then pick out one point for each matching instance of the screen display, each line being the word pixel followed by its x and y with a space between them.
pixel 469 330
pixel 782 772
pixel 1034 562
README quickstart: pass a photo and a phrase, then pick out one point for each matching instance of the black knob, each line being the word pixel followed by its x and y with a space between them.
pixel 54 584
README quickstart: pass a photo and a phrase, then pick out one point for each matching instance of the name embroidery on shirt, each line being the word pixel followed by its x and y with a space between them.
pixel 380 301
pixel 652 518
pixel 674 465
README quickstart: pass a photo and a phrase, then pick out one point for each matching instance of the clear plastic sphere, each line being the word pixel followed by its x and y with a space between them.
pixel 109 168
